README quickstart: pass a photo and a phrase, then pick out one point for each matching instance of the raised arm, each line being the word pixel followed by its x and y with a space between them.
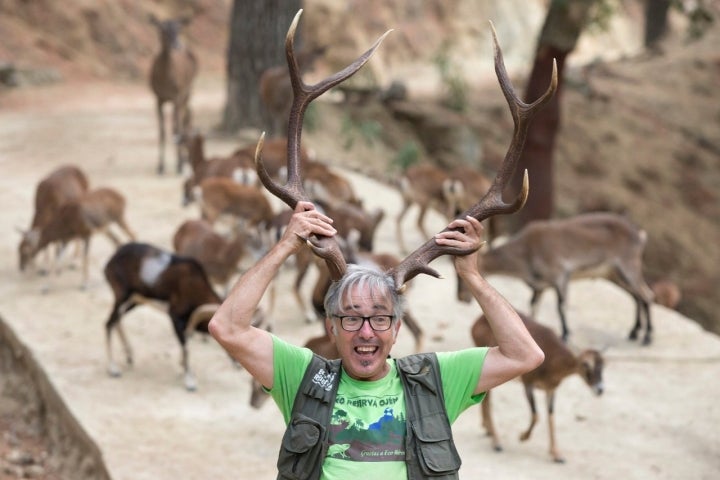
pixel 517 352
pixel 232 326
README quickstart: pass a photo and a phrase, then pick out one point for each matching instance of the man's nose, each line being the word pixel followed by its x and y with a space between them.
pixel 366 331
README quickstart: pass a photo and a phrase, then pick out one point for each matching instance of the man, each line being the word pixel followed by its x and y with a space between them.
pixel 383 422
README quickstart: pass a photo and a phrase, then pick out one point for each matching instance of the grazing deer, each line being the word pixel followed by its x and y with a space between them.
pixel 240 165
pixel 79 219
pixel 224 196
pixel 550 253
pixel 423 185
pixel 140 273
pixel 560 362
pixel 323 184
pixel 171 77
pixel 64 184
pixel 220 256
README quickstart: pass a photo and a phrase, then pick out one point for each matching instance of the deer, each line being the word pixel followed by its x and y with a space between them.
pixel 245 203
pixel 550 253
pixel 64 184
pixel 424 185
pixel 140 273
pixel 292 191
pixel 240 165
pixel 79 219
pixel 220 256
pixel 560 362
pixel 275 89
pixel 172 73
pixel 464 185
pixel 667 293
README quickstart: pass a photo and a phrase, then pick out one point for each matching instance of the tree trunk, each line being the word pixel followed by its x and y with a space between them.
pixel 560 33
pixel 656 13
pixel 257 42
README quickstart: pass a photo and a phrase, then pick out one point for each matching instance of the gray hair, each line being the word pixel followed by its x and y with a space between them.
pixel 378 282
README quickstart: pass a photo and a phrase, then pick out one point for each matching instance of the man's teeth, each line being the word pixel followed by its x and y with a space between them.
pixel 365 349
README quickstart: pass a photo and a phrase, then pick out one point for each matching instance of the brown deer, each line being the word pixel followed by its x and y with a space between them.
pixel 667 293
pixel 550 253
pixel 276 91
pixel 64 184
pixel 492 203
pixel 80 219
pixel 238 164
pixel 245 203
pixel 465 184
pixel 220 256
pixel 171 77
pixel 560 362
pixel 423 185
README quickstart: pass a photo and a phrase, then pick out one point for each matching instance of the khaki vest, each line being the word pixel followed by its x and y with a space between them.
pixel 429 448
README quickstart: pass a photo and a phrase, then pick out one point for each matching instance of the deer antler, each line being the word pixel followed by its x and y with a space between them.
pixel 293 192
pixel 492 203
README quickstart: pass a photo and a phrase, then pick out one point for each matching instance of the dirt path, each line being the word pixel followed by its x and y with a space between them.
pixel 658 418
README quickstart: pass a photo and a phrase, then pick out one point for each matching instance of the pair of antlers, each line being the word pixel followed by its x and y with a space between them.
pixel 418 261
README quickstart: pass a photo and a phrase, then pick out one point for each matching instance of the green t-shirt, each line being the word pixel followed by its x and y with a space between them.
pixel 367 427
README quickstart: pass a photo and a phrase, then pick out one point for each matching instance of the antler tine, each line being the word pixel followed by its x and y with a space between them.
pixel 293 191
pixel 491 203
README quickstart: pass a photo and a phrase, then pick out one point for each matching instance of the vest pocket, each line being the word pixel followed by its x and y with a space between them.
pixel 436 453
pixel 302 448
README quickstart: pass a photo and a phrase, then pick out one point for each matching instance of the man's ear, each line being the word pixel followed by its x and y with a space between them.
pixel 330 328
pixel 396 329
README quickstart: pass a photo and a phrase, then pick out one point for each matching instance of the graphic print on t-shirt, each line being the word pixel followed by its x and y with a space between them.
pixel 368 429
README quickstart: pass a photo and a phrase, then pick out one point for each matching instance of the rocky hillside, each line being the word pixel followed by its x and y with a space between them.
pixel 639 133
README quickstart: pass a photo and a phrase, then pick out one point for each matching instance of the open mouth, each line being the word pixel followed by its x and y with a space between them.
pixel 366 350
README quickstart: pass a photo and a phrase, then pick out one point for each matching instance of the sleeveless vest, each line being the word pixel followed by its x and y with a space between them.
pixel 429 448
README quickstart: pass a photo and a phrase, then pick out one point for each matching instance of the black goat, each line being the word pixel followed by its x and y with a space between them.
pixel 141 273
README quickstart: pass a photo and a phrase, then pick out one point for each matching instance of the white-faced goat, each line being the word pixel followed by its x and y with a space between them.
pixel 560 362
pixel 64 184
pixel 141 273
pixel 550 253
pixel 80 219
pixel 171 76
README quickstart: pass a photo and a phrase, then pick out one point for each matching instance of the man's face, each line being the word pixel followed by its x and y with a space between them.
pixel 364 352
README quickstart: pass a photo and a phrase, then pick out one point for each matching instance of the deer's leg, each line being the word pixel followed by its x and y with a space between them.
pixel 188 377
pixel 561 291
pixel 533 412
pixel 535 300
pixel 410 322
pixel 398 225
pixel 644 305
pixel 487 422
pixel 161 137
pixel 86 251
pixel 554 453
pixel 111 324
pixel 421 220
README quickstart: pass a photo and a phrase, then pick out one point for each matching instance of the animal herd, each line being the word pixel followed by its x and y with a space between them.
pixel 238 223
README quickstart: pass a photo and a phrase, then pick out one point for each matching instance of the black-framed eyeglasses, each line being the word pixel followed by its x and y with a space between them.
pixel 353 323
